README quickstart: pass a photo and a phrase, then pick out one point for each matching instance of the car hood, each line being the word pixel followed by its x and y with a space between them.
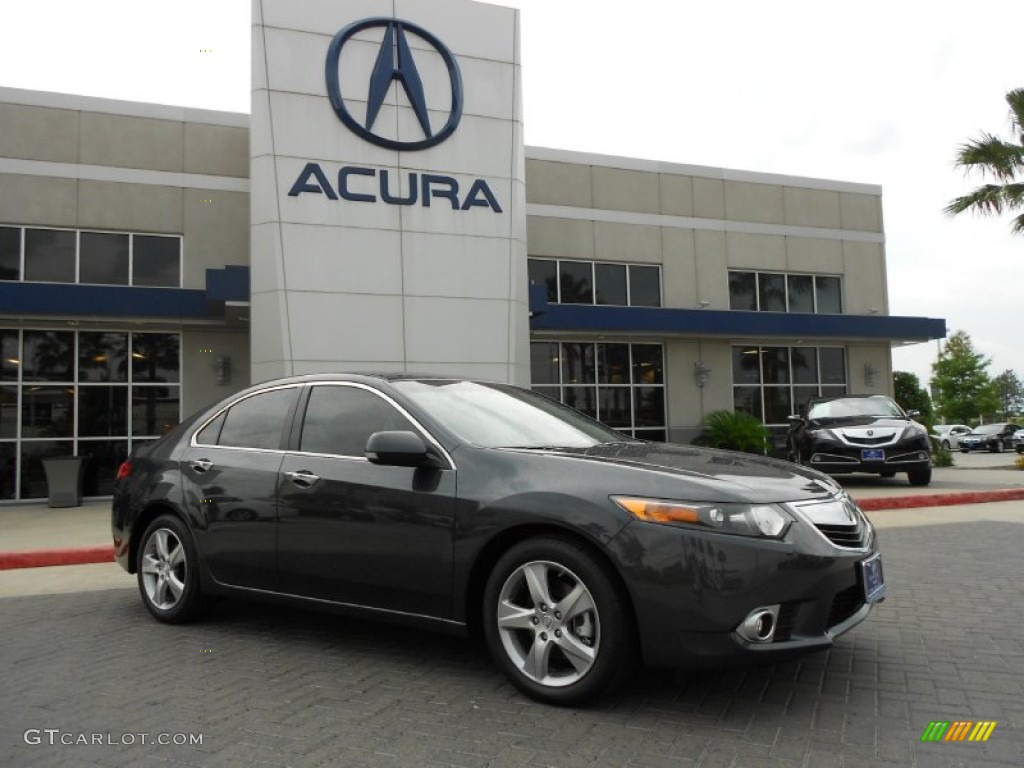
pixel 715 475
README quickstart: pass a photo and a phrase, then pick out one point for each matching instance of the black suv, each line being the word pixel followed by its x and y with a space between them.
pixel 860 433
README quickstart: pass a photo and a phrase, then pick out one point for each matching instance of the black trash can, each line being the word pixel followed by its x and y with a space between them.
pixel 64 480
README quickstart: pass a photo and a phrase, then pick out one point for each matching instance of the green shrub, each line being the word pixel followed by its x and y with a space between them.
pixel 1019 462
pixel 941 457
pixel 735 431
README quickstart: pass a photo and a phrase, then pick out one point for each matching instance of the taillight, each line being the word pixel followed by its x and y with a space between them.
pixel 124 470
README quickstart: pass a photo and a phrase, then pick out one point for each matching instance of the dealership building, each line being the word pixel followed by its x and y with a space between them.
pixel 378 211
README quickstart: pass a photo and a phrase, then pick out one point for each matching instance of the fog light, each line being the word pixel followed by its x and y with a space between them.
pixel 922 456
pixel 759 626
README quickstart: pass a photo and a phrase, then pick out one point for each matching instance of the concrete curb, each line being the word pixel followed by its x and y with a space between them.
pixel 43 558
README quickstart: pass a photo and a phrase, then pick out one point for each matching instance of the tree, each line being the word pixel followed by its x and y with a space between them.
pixel 911 396
pixel 1003 161
pixel 962 388
pixel 1011 393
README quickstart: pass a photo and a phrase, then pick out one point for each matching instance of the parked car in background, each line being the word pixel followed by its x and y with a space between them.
pixel 996 438
pixel 456 504
pixel 948 435
pixel 861 433
pixel 1018 440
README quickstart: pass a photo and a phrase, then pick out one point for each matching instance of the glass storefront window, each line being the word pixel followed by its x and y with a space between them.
pixel 601 283
pixel 644 286
pixel 610 284
pixel 800 291
pixel 156 356
pixel 33 476
pixel 76 395
pixel 10 253
pixel 156 261
pixel 102 411
pixel 103 258
pixel 619 383
pixel 102 356
pixel 545 272
pixel 771 292
pixel 778 292
pixel 155 410
pixel 48 356
pixel 829 294
pixel 50 255
pixel 576 282
pixel 743 291
pixel 773 383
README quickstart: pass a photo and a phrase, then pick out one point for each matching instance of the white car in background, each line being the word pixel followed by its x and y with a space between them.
pixel 949 435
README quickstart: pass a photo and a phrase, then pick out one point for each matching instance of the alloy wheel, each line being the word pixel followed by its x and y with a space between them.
pixel 164 569
pixel 548 623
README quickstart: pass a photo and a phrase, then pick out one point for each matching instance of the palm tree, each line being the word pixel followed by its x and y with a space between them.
pixel 1004 161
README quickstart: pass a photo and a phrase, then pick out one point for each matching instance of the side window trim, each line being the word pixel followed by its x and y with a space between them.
pixel 285 433
pixel 296 437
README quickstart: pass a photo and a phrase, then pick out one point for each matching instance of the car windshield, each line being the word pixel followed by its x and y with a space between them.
pixel 502 416
pixel 989 429
pixel 852 407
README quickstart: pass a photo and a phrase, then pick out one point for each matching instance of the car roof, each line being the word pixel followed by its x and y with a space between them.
pixel 831 398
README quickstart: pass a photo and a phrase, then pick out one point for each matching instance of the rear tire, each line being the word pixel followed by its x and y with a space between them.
pixel 558 622
pixel 920 476
pixel 945 444
pixel 167 568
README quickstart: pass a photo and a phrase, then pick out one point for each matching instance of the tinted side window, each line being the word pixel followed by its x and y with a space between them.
pixel 258 421
pixel 210 434
pixel 339 420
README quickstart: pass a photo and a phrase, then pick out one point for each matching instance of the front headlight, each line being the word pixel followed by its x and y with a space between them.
pixel 762 520
pixel 819 434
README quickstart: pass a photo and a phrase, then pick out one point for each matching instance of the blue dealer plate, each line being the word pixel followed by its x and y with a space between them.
pixel 874 581
pixel 872 454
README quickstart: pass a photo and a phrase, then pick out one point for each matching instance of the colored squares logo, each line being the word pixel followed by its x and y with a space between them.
pixel 958 730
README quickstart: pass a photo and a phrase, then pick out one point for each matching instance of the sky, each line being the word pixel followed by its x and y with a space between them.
pixel 876 91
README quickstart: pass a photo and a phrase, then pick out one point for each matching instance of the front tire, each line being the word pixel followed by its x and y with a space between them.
pixel 998 448
pixel 920 476
pixel 168 571
pixel 945 444
pixel 558 622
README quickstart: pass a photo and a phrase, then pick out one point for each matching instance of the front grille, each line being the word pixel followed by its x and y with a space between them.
pixel 869 440
pixel 845 604
pixel 843 535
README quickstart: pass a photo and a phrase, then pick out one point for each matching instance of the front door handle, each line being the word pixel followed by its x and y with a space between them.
pixel 302 478
pixel 201 465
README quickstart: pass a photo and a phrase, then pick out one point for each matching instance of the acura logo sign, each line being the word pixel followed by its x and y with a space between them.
pixel 394 62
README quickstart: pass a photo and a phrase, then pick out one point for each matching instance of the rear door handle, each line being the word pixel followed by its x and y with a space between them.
pixel 302 478
pixel 201 465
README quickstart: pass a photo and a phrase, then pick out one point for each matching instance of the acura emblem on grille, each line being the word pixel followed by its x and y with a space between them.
pixel 871 432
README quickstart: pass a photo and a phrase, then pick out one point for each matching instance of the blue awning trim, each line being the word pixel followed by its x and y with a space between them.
pixel 228 284
pixel 73 300
pixel 661 320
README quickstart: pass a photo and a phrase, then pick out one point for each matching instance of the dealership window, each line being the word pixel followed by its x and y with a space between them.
pixel 620 384
pixel 597 282
pixel 34 254
pixel 773 383
pixel 783 292
pixel 88 393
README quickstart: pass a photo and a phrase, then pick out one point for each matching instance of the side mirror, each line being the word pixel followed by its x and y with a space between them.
pixel 794 418
pixel 397 449
pixel 913 414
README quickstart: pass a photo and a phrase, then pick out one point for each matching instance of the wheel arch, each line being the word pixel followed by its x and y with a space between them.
pixel 500 543
pixel 141 523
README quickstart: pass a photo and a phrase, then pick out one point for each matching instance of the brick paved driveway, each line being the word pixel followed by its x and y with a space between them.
pixel 270 686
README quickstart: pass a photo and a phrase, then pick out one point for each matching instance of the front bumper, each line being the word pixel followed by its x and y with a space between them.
pixel 833 456
pixel 693 589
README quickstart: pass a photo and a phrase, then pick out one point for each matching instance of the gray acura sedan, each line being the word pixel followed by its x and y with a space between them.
pixel 466 505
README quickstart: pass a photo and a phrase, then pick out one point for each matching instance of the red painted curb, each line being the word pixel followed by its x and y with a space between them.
pixel 41 558
pixel 939 499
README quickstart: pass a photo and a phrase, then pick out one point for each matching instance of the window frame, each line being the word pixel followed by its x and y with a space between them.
pixel 786 276
pixel 594 287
